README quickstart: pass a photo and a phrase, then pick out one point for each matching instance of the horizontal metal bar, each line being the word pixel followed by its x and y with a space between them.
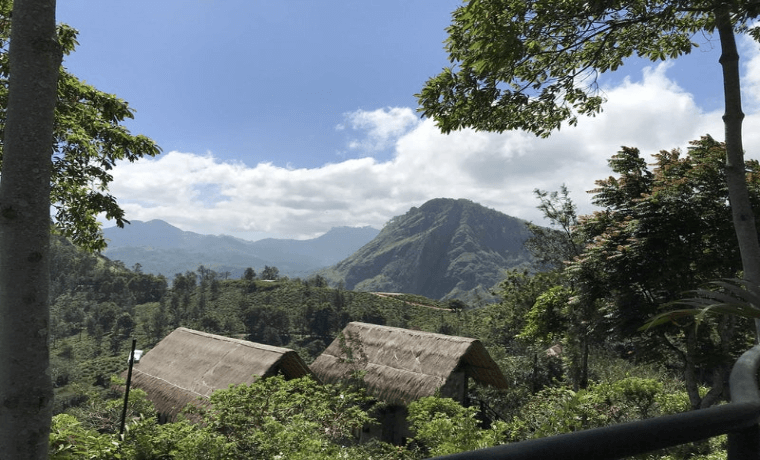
pixel 740 418
pixel 625 439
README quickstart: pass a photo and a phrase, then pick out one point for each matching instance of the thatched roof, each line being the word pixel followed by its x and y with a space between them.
pixel 402 365
pixel 188 364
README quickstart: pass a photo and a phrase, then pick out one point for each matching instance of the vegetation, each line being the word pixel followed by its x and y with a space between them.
pixel 25 387
pixel 60 138
pixel 445 249
pixel 663 232
pixel 566 335
pixel 600 370
pixel 532 65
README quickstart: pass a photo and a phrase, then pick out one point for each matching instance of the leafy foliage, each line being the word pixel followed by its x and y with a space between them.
pixel 727 297
pixel 548 316
pixel 69 440
pixel 662 232
pixel 557 410
pixel 532 65
pixel 309 317
pixel 271 418
pixel 296 418
pixel 444 427
pixel 88 142
pixel 554 246
pixel 270 273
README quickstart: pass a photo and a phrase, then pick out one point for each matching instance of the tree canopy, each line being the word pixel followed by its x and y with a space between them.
pixel 662 232
pixel 531 65
pixel 60 137
pixel 88 140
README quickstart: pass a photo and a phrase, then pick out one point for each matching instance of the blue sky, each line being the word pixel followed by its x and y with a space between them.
pixel 287 118
pixel 254 80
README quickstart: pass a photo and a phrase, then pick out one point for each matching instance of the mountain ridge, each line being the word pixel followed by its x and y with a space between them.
pixel 445 249
pixel 161 248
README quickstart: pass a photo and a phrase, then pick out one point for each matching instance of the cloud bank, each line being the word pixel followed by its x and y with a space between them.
pixel 200 193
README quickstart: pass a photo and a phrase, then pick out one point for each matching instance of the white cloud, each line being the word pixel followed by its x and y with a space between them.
pixel 383 127
pixel 750 59
pixel 199 193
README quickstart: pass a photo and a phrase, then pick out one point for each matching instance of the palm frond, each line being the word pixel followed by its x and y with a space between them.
pixel 731 296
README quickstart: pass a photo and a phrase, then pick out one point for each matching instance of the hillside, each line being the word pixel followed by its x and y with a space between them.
pixel 161 248
pixel 444 249
pixel 98 306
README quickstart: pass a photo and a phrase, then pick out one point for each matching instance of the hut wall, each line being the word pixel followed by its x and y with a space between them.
pixel 455 387
pixel 392 426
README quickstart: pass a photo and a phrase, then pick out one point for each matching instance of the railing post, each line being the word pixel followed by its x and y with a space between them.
pixel 745 444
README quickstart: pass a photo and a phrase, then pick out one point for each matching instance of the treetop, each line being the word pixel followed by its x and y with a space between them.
pixel 534 64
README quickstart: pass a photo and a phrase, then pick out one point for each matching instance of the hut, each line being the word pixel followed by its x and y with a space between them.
pixel 402 365
pixel 189 364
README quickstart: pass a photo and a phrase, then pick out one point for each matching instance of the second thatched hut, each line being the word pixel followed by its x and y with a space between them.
pixel 401 365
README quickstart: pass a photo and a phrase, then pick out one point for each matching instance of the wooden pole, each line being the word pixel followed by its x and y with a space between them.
pixel 126 393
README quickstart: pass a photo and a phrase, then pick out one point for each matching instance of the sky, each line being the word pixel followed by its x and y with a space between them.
pixel 287 118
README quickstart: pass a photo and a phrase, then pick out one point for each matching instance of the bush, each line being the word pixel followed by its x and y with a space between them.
pixel 554 411
pixel 442 426
pixel 69 440
pixel 293 419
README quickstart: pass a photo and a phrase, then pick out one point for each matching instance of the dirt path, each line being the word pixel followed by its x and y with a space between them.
pixel 396 294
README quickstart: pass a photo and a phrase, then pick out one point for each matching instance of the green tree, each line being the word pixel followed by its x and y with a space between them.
pixel 553 246
pixel 660 233
pixel 297 418
pixel 548 317
pixel 318 281
pixel 26 389
pixel 523 361
pixel 558 410
pixel 60 138
pixel 249 274
pixel 270 273
pixel 267 324
pixel 121 331
pixel 533 65
pixel 69 440
pixel 502 322
pixel 560 315
pixel 88 140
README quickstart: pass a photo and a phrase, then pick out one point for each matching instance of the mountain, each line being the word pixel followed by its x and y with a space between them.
pixel 162 248
pixel 444 249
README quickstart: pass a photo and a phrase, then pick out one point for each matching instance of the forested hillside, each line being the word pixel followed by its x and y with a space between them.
pixel 98 305
pixel 445 249
pixel 568 338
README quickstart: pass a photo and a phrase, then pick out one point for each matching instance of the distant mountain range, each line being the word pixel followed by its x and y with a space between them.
pixel 444 249
pixel 161 248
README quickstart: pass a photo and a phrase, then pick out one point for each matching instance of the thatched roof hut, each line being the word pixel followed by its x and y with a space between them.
pixel 402 365
pixel 188 364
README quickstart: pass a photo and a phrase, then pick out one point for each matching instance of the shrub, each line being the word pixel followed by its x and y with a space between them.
pixel 442 426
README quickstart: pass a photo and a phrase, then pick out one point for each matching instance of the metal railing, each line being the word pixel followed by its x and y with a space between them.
pixel 739 419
